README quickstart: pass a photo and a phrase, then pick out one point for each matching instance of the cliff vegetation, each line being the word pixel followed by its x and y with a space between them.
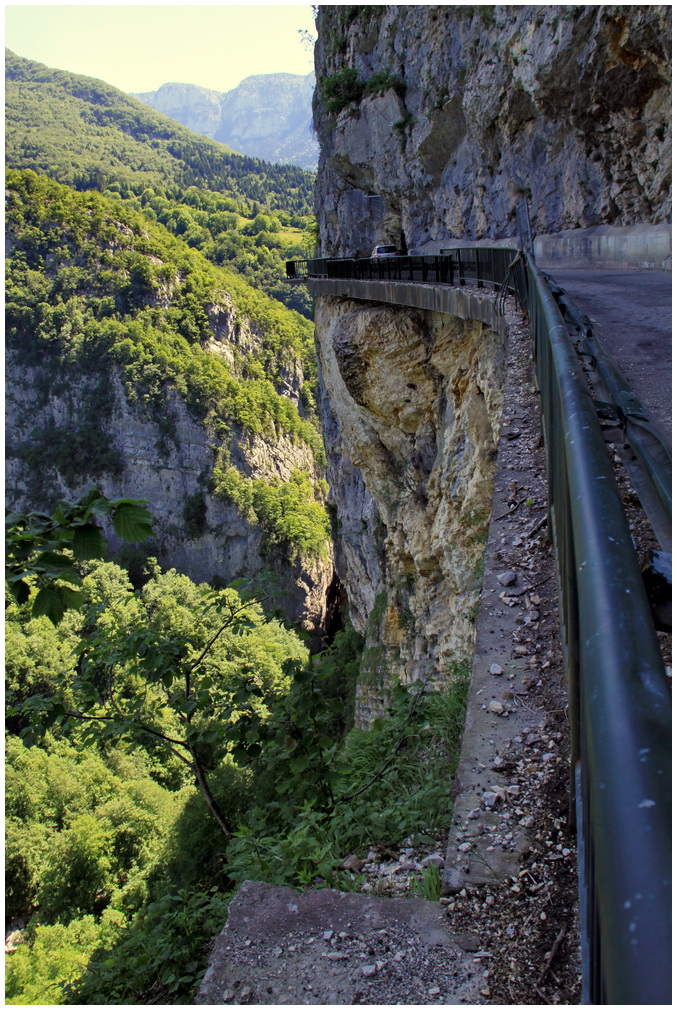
pixel 97 293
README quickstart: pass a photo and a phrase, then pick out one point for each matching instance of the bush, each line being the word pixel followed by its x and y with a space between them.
pixel 341 89
pixel 195 515
pixel 77 876
pixel 159 958
pixel 322 802
pixel 345 88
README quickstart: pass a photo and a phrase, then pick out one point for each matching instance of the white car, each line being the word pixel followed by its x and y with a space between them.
pixel 379 251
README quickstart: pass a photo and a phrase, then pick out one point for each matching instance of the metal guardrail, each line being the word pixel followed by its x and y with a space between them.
pixel 523 215
pixel 619 697
pixel 652 473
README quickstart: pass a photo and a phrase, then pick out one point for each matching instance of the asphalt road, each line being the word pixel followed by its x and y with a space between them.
pixel 632 314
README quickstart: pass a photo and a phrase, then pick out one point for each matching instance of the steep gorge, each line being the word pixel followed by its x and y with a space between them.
pixel 433 123
pixel 134 364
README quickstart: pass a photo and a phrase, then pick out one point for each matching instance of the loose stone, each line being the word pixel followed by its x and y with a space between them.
pixel 353 862
pixel 433 860
pixel 507 578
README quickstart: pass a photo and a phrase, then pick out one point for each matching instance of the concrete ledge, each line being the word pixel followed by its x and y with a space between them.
pixel 601 247
pixel 494 803
pixel 468 302
pixel 281 947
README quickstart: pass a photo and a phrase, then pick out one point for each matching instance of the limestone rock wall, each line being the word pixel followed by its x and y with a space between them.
pixel 411 403
pixel 434 122
pixel 167 471
pixel 467 109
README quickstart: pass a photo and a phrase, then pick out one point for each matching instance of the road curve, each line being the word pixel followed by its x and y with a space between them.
pixel 632 314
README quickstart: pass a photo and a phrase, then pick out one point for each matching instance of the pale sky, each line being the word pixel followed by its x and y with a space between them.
pixel 138 48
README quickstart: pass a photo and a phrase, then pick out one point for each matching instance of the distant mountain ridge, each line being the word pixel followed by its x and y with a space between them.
pixel 85 133
pixel 266 116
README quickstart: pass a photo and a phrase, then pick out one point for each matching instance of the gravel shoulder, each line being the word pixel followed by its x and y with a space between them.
pixel 511 869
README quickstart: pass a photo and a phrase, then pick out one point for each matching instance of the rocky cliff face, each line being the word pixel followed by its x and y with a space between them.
pixel 197 108
pixel 266 116
pixel 412 406
pixel 434 121
pixel 167 461
pixel 459 112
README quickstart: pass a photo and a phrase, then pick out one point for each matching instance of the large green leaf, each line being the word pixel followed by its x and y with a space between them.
pixel 56 566
pixel 21 591
pixel 48 603
pixel 71 598
pixel 132 522
pixel 88 542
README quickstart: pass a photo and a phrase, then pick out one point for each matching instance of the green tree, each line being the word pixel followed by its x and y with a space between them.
pixel 37 975
pixel 168 667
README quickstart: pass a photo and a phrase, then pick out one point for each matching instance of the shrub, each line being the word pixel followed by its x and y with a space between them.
pixel 341 89
pixel 159 958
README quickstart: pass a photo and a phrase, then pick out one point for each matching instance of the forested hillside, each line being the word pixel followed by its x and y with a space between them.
pixel 112 852
pixel 85 133
pixel 113 322
pixel 89 135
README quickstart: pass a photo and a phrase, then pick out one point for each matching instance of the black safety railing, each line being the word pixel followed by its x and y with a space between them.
pixel 619 699
pixel 481 266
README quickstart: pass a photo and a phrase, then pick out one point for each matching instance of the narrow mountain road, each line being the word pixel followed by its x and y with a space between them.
pixel 632 314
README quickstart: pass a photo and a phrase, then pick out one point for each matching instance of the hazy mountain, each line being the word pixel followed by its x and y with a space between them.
pixel 266 116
